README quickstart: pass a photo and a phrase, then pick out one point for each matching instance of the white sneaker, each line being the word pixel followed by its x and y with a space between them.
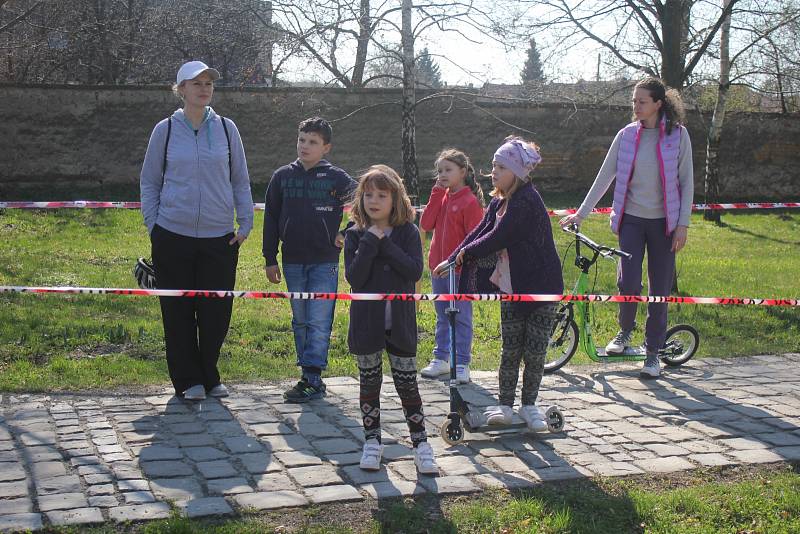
pixel 462 374
pixel 195 393
pixel 533 417
pixel 424 459
pixel 436 368
pixel 371 456
pixel 620 342
pixel 219 391
pixel 498 415
pixel 651 368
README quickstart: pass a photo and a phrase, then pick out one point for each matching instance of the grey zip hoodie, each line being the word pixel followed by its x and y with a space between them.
pixel 198 195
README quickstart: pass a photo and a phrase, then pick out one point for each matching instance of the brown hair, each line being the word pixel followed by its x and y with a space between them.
pixel 462 160
pixel 384 178
pixel 671 102
pixel 519 181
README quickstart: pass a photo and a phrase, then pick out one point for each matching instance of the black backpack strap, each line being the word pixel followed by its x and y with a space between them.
pixel 228 137
pixel 166 146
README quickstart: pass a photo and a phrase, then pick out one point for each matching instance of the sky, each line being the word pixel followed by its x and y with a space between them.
pixel 476 59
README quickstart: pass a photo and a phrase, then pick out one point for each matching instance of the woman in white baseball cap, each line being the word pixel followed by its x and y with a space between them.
pixel 194 186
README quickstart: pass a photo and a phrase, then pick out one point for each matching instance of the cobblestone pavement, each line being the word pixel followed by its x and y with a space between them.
pixel 69 459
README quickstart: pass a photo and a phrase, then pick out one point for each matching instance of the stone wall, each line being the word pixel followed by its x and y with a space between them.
pixel 71 138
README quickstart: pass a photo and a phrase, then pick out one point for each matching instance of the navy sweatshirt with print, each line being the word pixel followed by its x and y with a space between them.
pixel 304 210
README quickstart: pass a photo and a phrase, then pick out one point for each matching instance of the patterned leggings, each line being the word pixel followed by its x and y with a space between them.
pixel 404 372
pixel 524 337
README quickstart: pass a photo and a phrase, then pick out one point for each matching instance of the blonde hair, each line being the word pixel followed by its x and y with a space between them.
pixel 176 92
pixel 518 182
pixel 462 160
pixel 384 178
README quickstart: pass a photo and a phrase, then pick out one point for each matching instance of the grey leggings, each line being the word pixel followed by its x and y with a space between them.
pixel 525 337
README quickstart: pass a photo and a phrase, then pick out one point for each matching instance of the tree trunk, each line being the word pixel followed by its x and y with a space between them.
pixel 674 35
pixel 712 174
pixel 364 32
pixel 408 136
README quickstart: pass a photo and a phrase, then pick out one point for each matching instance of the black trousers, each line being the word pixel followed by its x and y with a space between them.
pixel 194 328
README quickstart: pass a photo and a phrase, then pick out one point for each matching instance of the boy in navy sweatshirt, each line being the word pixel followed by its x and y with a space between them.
pixel 304 205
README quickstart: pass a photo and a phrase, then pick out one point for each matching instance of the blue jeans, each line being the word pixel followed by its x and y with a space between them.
pixel 312 320
pixel 441 350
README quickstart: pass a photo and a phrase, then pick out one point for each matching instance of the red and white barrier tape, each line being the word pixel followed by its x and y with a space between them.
pixel 398 296
pixel 92 204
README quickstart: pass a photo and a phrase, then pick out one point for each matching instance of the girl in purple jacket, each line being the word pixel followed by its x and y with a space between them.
pixel 512 250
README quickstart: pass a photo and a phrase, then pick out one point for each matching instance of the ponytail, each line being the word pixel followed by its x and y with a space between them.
pixel 474 186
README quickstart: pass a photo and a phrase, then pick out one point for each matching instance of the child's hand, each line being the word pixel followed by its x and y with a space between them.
pixel 273 273
pixel 339 241
pixel 441 269
pixel 440 183
pixel 376 231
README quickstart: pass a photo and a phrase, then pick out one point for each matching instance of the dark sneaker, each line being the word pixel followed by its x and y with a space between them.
pixel 620 342
pixel 304 392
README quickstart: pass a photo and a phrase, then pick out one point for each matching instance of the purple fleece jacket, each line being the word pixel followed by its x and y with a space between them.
pixel 526 234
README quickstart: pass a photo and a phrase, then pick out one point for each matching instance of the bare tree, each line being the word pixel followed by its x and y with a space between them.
pixel 676 40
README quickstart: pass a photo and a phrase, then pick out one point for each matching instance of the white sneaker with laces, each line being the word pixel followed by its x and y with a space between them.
pixel 498 415
pixel 195 393
pixel 436 368
pixel 651 368
pixel 219 391
pixel 371 455
pixel 425 460
pixel 620 342
pixel 462 374
pixel 533 417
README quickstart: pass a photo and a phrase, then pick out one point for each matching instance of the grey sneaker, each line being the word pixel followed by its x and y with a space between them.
pixel 219 391
pixel 620 342
pixel 195 393
pixel 652 367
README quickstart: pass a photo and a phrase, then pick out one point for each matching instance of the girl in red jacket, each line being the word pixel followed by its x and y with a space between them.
pixel 454 209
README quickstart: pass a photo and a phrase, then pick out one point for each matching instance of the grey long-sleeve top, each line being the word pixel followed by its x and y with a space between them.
pixel 645 193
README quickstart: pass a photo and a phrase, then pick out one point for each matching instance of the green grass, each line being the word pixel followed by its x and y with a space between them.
pixel 766 500
pixel 82 341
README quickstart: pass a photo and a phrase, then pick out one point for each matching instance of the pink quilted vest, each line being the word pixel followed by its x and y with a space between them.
pixel 668 152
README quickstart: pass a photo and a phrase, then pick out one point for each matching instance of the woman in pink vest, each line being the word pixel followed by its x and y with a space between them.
pixel 651 159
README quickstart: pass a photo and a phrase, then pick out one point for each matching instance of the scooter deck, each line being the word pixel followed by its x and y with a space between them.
pixel 495 428
pixel 635 352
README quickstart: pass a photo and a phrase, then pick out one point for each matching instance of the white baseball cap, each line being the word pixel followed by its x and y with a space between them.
pixel 193 69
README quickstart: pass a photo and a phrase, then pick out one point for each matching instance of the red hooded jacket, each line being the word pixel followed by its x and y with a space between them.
pixel 451 217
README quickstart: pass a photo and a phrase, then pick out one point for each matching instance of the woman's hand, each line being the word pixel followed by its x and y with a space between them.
pixel 679 238
pixel 377 232
pixel 571 219
pixel 460 257
pixel 237 238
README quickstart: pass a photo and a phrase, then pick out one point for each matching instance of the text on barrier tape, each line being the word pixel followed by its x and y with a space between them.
pixel 93 204
pixel 737 301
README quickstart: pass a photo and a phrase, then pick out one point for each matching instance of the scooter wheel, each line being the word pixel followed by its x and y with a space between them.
pixel 555 419
pixel 451 433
